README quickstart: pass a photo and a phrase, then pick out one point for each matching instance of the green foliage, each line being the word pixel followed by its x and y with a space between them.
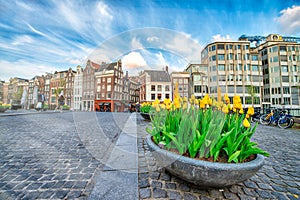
pixel 203 133
pixel 145 108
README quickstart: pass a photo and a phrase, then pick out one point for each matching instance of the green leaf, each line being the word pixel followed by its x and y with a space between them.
pixel 234 156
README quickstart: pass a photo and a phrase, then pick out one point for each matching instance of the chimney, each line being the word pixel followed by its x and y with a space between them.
pixel 167 68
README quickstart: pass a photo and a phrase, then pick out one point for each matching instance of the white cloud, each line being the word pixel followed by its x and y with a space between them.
pixel 161 59
pixel 19 40
pixel 289 21
pixel 136 44
pixel 133 60
pixel 104 10
pixel 23 69
pixel 152 39
pixel 219 38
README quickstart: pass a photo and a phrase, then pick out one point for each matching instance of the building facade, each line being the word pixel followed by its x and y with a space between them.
pixel 88 86
pixel 236 69
pixel 155 84
pixel 182 78
pixel 78 89
pixel 109 86
pixel 281 72
pixel 197 79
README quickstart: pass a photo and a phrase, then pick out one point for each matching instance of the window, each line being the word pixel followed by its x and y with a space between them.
pixel 98 88
pixel 108 95
pixel 167 96
pixel 228 46
pixel 103 87
pixel 230 89
pixel 254 68
pixel 286 90
pixel 221 67
pixel 152 96
pixel 221 57
pixel 103 80
pixel 159 88
pixel 185 81
pixel 229 56
pixel 246 56
pixel 167 88
pixel 213 58
pixel 152 87
pixel 108 87
pixel 220 46
pixel 283 58
pixel 239 89
pixel 285 79
pixel 282 48
pixel 222 78
pixel 213 48
pixel 246 67
pixel 159 96
pixel 197 89
pixel 284 68
pixel 108 80
pixel 254 57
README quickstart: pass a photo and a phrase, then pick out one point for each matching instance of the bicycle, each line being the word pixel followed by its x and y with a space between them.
pixel 278 118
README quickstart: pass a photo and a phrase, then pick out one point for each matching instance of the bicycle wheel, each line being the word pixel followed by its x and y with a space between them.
pixel 265 120
pixel 284 122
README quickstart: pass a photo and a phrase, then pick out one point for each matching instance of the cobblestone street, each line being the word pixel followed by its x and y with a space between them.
pixel 77 156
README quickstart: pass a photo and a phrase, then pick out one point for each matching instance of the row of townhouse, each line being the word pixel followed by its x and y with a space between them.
pixel 263 75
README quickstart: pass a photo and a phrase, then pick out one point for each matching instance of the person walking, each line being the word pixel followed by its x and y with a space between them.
pixel 61 101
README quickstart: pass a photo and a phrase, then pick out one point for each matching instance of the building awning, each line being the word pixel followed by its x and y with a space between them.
pixel 107 104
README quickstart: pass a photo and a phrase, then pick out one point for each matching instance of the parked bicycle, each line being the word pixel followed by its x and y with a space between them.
pixel 277 117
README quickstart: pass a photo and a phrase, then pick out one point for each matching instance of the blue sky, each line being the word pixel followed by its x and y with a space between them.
pixel 45 36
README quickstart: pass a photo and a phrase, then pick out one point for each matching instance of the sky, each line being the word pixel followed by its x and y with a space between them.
pixel 52 35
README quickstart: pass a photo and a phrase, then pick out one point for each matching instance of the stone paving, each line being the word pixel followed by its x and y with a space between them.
pixel 83 156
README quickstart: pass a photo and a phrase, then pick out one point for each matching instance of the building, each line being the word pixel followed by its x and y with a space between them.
pixel 2 91
pixel 57 86
pixel 69 88
pixel 182 78
pixel 77 91
pixel 109 85
pixel 198 84
pixel 134 89
pixel 280 61
pixel 88 86
pixel 47 88
pixel 16 88
pixel 155 84
pixel 236 69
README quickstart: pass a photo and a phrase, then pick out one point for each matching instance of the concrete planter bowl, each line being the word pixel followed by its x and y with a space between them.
pixel 146 116
pixel 204 173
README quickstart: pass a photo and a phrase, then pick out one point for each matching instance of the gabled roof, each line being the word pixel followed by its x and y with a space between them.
pixel 94 65
pixel 109 66
pixel 158 75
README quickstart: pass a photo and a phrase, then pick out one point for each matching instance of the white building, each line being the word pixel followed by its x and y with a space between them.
pixel 155 84
pixel 78 89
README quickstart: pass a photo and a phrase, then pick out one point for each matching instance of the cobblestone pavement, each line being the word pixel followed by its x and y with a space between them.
pixel 279 178
pixel 43 156
pixel 58 156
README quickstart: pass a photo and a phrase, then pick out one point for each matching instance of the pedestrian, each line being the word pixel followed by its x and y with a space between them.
pixel 41 99
pixel 61 101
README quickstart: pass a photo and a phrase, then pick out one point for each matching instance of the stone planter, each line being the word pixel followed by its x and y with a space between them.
pixel 2 109
pixel 146 116
pixel 204 173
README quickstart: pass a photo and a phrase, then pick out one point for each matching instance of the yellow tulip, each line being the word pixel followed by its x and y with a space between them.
pixel 185 99
pixel 196 102
pixel 168 106
pixel 157 109
pixel 184 105
pixel 250 111
pixel 247 116
pixel 241 111
pixel 163 106
pixel 236 99
pixel 167 101
pixel 176 103
pixel 246 123
pixel 225 109
pixel 226 99
pixel 202 104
